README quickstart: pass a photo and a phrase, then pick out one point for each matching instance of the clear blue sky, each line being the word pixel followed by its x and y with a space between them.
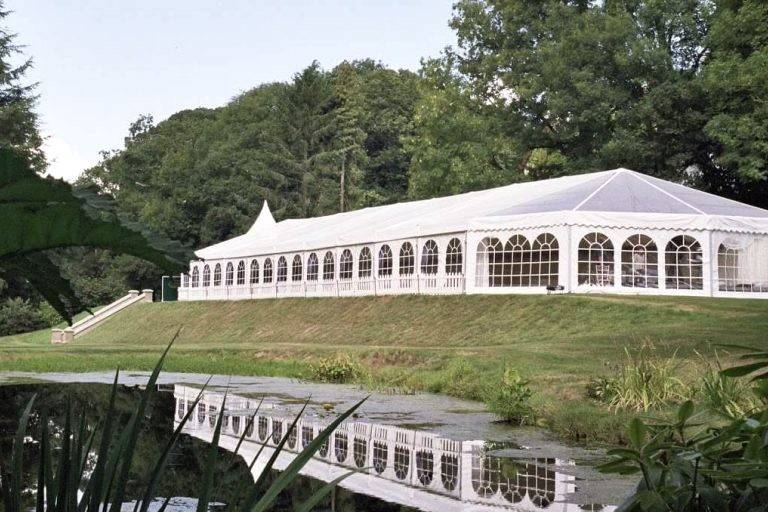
pixel 102 63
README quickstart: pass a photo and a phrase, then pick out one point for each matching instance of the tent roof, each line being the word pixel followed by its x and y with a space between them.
pixel 621 192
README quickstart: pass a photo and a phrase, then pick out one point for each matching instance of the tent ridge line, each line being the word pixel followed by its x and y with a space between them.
pixel 598 189
pixel 640 177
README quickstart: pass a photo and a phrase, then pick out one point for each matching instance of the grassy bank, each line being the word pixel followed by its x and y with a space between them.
pixel 454 345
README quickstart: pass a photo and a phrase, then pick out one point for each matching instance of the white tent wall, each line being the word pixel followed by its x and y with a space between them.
pixel 661 262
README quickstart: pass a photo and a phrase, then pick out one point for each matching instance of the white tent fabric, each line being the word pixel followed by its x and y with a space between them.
pixel 616 198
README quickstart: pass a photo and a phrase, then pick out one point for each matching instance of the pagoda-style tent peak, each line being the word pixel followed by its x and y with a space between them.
pixel 264 222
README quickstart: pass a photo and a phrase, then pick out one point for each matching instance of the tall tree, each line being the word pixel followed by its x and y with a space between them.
pixel 736 81
pixel 601 83
pixel 457 145
pixel 18 121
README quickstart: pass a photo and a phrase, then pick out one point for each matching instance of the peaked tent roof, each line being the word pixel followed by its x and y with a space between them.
pixel 620 195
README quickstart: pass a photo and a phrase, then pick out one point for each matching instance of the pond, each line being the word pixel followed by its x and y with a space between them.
pixel 411 452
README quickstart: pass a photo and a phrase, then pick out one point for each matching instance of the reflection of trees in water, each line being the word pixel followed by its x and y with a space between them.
pixel 185 464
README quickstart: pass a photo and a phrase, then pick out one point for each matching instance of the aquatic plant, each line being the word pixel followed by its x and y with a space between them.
pixel 339 368
pixel 81 477
pixel 645 382
pixel 510 398
pixel 726 396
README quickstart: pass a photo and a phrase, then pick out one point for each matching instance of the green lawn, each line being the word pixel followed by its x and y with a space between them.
pixel 418 342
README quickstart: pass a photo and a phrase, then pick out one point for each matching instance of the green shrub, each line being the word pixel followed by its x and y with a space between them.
pixel 18 316
pixel 727 396
pixel 510 398
pixel 339 368
pixel 646 382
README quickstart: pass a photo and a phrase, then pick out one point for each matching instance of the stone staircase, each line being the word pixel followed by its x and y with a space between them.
pixel 86 324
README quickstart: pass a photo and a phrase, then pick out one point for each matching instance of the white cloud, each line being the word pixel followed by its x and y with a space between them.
pixel 63 160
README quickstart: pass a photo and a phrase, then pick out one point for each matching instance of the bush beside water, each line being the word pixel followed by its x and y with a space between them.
pixel 338 369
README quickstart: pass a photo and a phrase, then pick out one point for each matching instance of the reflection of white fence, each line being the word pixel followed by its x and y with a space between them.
pixel 427 465
pixel 436 284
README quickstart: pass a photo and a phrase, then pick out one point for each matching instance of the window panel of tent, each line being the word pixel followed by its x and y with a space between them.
pixel 328 267
pixel 345 265
pixel 683 263
pixel 595 260
pixel 639 262
pixel 241 272
pixel 282 270
pixel 742 265
pixel 312 267
pixel 267 270
pixel 195 277
pixel 364 263
pixel 454 257
pixel 490 262
pixel 206 276
pixel 385 261
pixel 230 276
pixel 217 275
pixel 545 261
pixel 517 262
pixel 429 257
pixel 727 268
pixel 406 259
pixel 296 268
pixel 254 272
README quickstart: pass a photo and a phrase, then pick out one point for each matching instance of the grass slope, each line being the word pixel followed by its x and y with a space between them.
pixel 454 345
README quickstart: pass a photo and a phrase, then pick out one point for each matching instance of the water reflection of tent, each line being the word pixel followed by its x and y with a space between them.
pixel 399 465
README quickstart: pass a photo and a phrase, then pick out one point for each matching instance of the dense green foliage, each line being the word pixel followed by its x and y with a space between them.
pixel 326 141
pixel 694 464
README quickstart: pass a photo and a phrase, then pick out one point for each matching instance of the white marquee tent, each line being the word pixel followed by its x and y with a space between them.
pixel 616 231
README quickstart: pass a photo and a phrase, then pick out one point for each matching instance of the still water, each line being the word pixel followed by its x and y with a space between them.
pixel 414 452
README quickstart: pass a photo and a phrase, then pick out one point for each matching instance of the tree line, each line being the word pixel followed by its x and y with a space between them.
pixel 677 89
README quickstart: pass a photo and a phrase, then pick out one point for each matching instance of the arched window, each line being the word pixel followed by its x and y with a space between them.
pixel 282 270
pixel 254 271
pixel 364 263
pixel 267 270
pixel 596 260
pixel 683 264
pixel 489 270
pixel 728 268
pixel 312 267
pixel 296 268
pixel 241 272
pixel 385 261
pixel 230 276
pixel 639 262
pixel 429 258
pixel 454 263
pixel 206 276
pixel 195 277
pixel 406 259
pixel 545 260
pixel 517 256
pixel 328 267
pixel 345 265
pixel 217 275
pixel 185 280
